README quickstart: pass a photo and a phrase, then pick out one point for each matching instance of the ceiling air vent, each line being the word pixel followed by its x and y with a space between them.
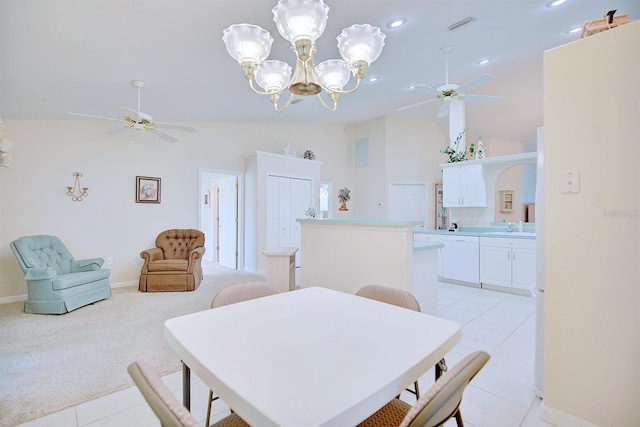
pixel 462 23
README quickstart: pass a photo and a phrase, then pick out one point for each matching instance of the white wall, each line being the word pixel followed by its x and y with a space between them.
pixel 592 292
pixel 108 222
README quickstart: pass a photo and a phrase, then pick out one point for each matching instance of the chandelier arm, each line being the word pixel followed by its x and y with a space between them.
pixel 324 104
pixel 346 92
pixel 259 92
pixel 285 106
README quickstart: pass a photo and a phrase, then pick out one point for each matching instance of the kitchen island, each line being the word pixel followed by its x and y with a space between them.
pixel 347 254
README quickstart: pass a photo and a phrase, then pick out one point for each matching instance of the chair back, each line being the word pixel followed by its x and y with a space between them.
pixel 242 292
pixel 42 252
pixel 178 243
pixel 442 400
pixel 398 297
pixel 164 404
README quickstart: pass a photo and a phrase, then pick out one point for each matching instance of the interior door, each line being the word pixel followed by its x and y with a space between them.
pixel 300 201
pixel 228 221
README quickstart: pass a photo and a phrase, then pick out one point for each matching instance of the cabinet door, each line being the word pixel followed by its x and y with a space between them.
pixel 495 265
pixel 451 187
pixel 472 192
pixel 524 268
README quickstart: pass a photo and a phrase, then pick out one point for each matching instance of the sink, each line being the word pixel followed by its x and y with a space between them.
pixel 512 233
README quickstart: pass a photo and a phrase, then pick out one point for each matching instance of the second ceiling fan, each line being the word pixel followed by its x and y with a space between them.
pixel 142 121
pixel 451 91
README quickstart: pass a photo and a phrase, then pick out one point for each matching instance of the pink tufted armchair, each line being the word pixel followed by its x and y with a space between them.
pixel 175 264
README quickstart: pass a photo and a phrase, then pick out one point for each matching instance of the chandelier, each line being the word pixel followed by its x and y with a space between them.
pixel 302 22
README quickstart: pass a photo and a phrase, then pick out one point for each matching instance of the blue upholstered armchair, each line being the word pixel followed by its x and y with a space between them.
pixel 57 283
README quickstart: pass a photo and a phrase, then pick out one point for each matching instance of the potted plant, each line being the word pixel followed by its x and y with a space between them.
pixel 344 196
pixel 453 151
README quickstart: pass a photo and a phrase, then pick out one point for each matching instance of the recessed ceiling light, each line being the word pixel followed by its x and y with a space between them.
pixel 373 79
pixel 484 61
pixel 555 3
pixel 574 30
pixel 396 22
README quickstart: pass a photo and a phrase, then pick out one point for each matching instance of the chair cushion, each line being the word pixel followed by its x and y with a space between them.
pixel 65 281
pixel 391 414
pixel 168 265
pixel 44 251
pixel 178 243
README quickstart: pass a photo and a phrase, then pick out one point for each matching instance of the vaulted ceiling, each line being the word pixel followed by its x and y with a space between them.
pixel 69 55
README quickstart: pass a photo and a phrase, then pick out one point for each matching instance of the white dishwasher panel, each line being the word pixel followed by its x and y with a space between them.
pixel 461 259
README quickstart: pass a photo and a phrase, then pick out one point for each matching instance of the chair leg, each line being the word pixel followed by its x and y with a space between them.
pixel 441 368
pixel 211 399
pixel 458 416
pixel 417 388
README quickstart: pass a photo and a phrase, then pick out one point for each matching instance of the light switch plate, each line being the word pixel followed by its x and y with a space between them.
pixel 571 182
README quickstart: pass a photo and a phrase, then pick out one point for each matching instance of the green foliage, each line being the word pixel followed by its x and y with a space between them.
pixel 456 155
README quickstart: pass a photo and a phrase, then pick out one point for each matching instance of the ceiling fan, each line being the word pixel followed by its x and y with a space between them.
pixel 451 91
pixel 142 121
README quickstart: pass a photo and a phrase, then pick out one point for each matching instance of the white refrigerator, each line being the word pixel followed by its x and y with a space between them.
pixel 538 288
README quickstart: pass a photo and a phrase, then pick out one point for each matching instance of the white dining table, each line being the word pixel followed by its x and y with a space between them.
pixel 310 357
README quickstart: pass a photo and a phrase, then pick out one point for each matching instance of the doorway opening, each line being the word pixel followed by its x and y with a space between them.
pixel 220 204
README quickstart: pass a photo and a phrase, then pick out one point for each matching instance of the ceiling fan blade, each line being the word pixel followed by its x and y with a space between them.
pixel 175 126
pixel 481 98
pixel 163 135
pixel 97 117
pixel 444 110
pixel 425 88
pixel 481 79
pixel 415 105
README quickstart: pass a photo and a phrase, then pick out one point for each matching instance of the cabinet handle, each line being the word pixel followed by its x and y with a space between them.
pixel 514 256
pixel 509 256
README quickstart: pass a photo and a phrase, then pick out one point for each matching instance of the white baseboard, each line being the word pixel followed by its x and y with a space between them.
pixel 559 418
pixel 19 298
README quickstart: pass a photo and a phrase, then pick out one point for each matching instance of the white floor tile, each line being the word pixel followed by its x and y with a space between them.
pixel 107 405
pixel 64 418
pixel 139 416
pixel 483 409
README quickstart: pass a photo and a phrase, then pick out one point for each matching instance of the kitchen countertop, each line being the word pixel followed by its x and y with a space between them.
pixel 483 232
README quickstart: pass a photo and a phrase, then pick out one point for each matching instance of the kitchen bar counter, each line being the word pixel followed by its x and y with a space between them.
pixel 347 254
pixel 483 232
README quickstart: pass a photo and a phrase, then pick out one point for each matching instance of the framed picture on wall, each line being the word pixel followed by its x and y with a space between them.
pixel 147 189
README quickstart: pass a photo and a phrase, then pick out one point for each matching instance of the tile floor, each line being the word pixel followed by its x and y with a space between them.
pixel 502 394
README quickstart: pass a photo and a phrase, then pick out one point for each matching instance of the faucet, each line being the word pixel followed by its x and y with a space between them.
pixel 512 224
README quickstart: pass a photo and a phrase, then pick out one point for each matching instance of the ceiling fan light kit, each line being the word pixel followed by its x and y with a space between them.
pixel 142 121
pixel 302 22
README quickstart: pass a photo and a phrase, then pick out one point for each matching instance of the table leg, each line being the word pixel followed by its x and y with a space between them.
pixel 186 386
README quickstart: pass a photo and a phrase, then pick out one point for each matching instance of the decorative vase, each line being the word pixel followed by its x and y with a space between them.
pixel 343 207
pixel 479 150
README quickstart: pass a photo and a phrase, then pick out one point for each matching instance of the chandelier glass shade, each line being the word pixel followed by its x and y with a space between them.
pixel 302 22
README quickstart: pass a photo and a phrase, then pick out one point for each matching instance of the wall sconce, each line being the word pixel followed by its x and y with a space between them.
pixel 6 147
pixel 74 192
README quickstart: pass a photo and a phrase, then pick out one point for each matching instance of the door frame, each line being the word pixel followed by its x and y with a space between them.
pixel 207 214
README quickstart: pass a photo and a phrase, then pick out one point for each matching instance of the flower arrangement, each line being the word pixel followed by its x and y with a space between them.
pixel 454 153
pixel 310 212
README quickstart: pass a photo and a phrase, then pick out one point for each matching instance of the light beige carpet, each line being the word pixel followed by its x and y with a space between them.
pixel 53 362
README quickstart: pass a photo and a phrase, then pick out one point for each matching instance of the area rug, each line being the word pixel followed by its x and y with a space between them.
pixel 52 362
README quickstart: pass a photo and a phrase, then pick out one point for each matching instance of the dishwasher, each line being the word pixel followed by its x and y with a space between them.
pixel 461 259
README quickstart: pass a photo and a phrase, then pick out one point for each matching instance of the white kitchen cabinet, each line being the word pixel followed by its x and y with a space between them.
pixel 433 238
pixel 463 185
pixel 506 262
